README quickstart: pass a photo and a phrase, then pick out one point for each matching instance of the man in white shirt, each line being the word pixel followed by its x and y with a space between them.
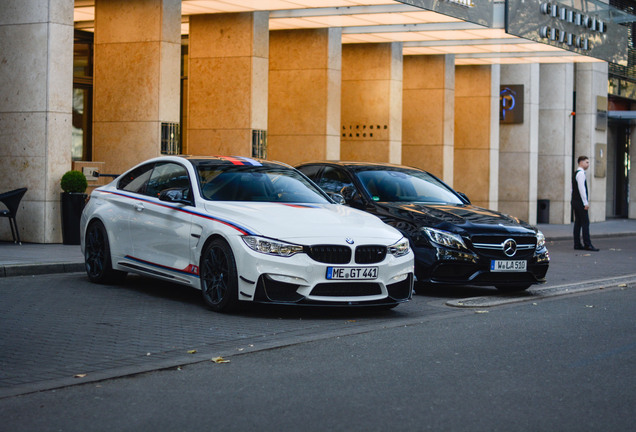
pixel 580 205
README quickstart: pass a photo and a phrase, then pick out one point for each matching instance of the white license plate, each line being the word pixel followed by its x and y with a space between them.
pixel 338 273
pixel 508 265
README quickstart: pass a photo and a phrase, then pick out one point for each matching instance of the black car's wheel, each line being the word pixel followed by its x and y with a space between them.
pixel 219 280
pixel 97 256
pixel 513 288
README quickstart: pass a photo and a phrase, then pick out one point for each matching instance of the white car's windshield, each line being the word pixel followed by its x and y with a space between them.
pixel 263 183
pixel 399 185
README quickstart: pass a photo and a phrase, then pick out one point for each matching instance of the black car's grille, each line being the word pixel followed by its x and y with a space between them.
pixel 330 254
pixel 370 254
pixel 346 289
pixel 492 246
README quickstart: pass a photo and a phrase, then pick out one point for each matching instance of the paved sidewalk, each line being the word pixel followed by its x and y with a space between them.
pixel 33 258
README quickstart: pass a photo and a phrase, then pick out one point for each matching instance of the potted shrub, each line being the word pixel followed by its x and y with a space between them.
pixel 73 199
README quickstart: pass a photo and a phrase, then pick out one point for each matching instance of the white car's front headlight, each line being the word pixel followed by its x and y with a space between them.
pixel 540 240
pixel 400 248
pixel 271 246
pixel 445 238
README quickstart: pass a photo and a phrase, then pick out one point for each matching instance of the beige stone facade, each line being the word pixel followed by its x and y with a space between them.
pixel 36 40
pixel 428 112
pixel 371 102
pixel 227 82
pixel 304 95
pixel 477 134
pixel 309 95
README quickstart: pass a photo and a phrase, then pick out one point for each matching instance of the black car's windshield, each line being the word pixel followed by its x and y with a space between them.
pixel 402 185
pixel 256 183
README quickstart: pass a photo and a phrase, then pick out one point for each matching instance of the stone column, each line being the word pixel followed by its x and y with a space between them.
pixel 136 79
pixel 227 82
pixel 428 114
pixel 372 102
pixel 555 139
pixel 304 95
pixel 36 92
pixel 591 137
pixel 518 147
pixel 476 161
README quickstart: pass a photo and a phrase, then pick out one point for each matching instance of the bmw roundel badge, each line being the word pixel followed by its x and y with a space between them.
pixel 349 240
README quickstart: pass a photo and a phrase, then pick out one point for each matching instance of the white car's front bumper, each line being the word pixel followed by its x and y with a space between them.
pixel 300 279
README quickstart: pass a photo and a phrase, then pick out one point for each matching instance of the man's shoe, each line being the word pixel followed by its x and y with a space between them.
pixel 578 247
pixel 591 248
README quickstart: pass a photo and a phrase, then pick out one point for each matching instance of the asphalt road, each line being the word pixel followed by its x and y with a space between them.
pixel 540 361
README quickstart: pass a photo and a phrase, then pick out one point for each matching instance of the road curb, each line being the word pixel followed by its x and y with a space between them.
pixel 40 269
pixel 541 293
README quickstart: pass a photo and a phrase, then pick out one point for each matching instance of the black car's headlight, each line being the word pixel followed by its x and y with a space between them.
pixel 400 248
pixel 272 247
pixel 445 238
pixel 540 240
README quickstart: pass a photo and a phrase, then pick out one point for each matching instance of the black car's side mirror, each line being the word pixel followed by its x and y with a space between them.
pixel 352 197
pixel 348 192
pixel 175 195
pixel 463 196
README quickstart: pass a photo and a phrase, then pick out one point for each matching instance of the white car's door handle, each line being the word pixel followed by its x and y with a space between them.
pixel 139 207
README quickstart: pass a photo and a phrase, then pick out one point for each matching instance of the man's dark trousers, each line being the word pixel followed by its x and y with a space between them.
pixel 581 223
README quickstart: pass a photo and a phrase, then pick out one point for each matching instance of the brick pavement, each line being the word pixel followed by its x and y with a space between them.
pixel 67 326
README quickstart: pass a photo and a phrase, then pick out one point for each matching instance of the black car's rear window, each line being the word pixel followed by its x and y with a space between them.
pixel 402 185
pixel 257 183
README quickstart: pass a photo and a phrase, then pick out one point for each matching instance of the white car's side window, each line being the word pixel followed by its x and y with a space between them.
pixel 167 176
pixel 135 180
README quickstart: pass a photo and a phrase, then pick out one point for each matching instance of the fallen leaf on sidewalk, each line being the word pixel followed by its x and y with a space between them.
pixel 622 285
pixel 589 306
pixel 481 311
pixel 79 376
pixel 219 360
pixel 192 352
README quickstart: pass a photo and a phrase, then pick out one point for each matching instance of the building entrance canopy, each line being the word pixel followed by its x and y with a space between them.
pixel 473 31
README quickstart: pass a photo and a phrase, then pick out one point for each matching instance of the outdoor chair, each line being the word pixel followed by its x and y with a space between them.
pixel 12 200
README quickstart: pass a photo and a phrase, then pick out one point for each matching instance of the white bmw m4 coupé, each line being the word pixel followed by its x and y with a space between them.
pixel 242 230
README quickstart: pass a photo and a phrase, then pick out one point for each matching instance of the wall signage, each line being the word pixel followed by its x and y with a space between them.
pixel 364 131
pixel 582 26
pixel 474 11
pixel 511 104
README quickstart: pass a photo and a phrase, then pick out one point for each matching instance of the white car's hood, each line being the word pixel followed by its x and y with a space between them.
pixel 304 222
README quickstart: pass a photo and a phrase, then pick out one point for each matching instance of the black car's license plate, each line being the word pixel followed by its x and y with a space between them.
pixel 339 273
pixel 508 265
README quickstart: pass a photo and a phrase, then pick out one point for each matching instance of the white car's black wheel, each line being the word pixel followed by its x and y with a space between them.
pixel 97 256
pixel 219 280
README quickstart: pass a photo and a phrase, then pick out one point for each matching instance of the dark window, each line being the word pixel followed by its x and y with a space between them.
pixel 264 184
pixel 135 180
pixel 168 176
pixel 81 143
pixel 334 180
pixel 311 171
pixel 170 138
pixel 395 185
